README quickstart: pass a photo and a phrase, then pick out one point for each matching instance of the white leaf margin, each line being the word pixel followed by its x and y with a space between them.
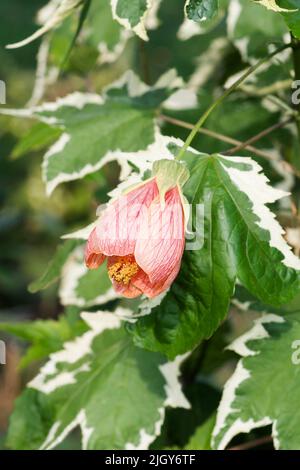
pixel 272 5
pixel 52 16
pixel 235 10
pixel 81 346
pixel 74 350
pixel 107 55
pixel 73 270
pixel 208 62
pixel 256 186
pixel 175 399
pixel 141 159
pixel 148 20
pixel 190 28
pixel 44 76
pixel 240 375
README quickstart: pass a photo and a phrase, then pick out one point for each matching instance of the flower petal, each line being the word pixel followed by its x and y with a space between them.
pixel 119 223
pixel 129 291
pixel 93 256
pixel 142 282
pixel 160 244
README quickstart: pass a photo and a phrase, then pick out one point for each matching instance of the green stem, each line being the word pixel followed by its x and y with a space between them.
pixel 221 98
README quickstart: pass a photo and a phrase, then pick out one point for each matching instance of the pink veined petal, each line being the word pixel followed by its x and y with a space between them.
pixel 142 282
pixel 118 225
pixel 129 291
pixel 170 279
pixel 160 244
pixel 93 257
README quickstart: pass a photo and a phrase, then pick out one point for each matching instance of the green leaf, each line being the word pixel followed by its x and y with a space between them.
pixel 131 14
pixel 83 287
pixel 292 18
pixel 98 129
pixel 100 382
pixel 192 310
pixel 205 31
pixel 181 424
pixel 202 437
pixel 100 34
pixel 30 421
pixel 289 9
pixel 237 237
pixel 105 34
pixel 38 137
pixel 53 271
pixel 253 28
pixel 57 14
pixel 201 10
pixel 45 336
pixel 262 260
pixel 264 389
pixel 245 301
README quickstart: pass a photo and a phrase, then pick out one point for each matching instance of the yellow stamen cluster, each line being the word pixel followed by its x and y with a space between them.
pixel 123 269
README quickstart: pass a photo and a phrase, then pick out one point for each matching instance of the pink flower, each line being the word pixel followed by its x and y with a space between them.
pixel 142 239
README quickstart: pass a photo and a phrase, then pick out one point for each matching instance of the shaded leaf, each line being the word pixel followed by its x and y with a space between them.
pixel 101 383
pixel 264 389
pixel 53 271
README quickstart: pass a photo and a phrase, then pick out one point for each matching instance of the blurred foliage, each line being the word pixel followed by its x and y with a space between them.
pixel 31 223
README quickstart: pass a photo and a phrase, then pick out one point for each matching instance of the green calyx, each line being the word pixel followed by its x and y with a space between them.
pixel 168 174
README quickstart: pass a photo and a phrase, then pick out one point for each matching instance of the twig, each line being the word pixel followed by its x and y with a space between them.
pixel 258 136
pixel 254 443
pixel 238 144
pixel 224 95
pixel 217 136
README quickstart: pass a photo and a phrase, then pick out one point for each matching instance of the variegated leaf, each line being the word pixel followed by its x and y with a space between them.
pixel 99 382
pixel 252 27
pixel 83 287
pixel 135 14
pixel 201 10
pixel 119 125
pixel 54 13
pixel 264 388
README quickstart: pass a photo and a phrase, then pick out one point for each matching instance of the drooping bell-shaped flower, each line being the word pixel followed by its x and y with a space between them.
pixel 142 234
